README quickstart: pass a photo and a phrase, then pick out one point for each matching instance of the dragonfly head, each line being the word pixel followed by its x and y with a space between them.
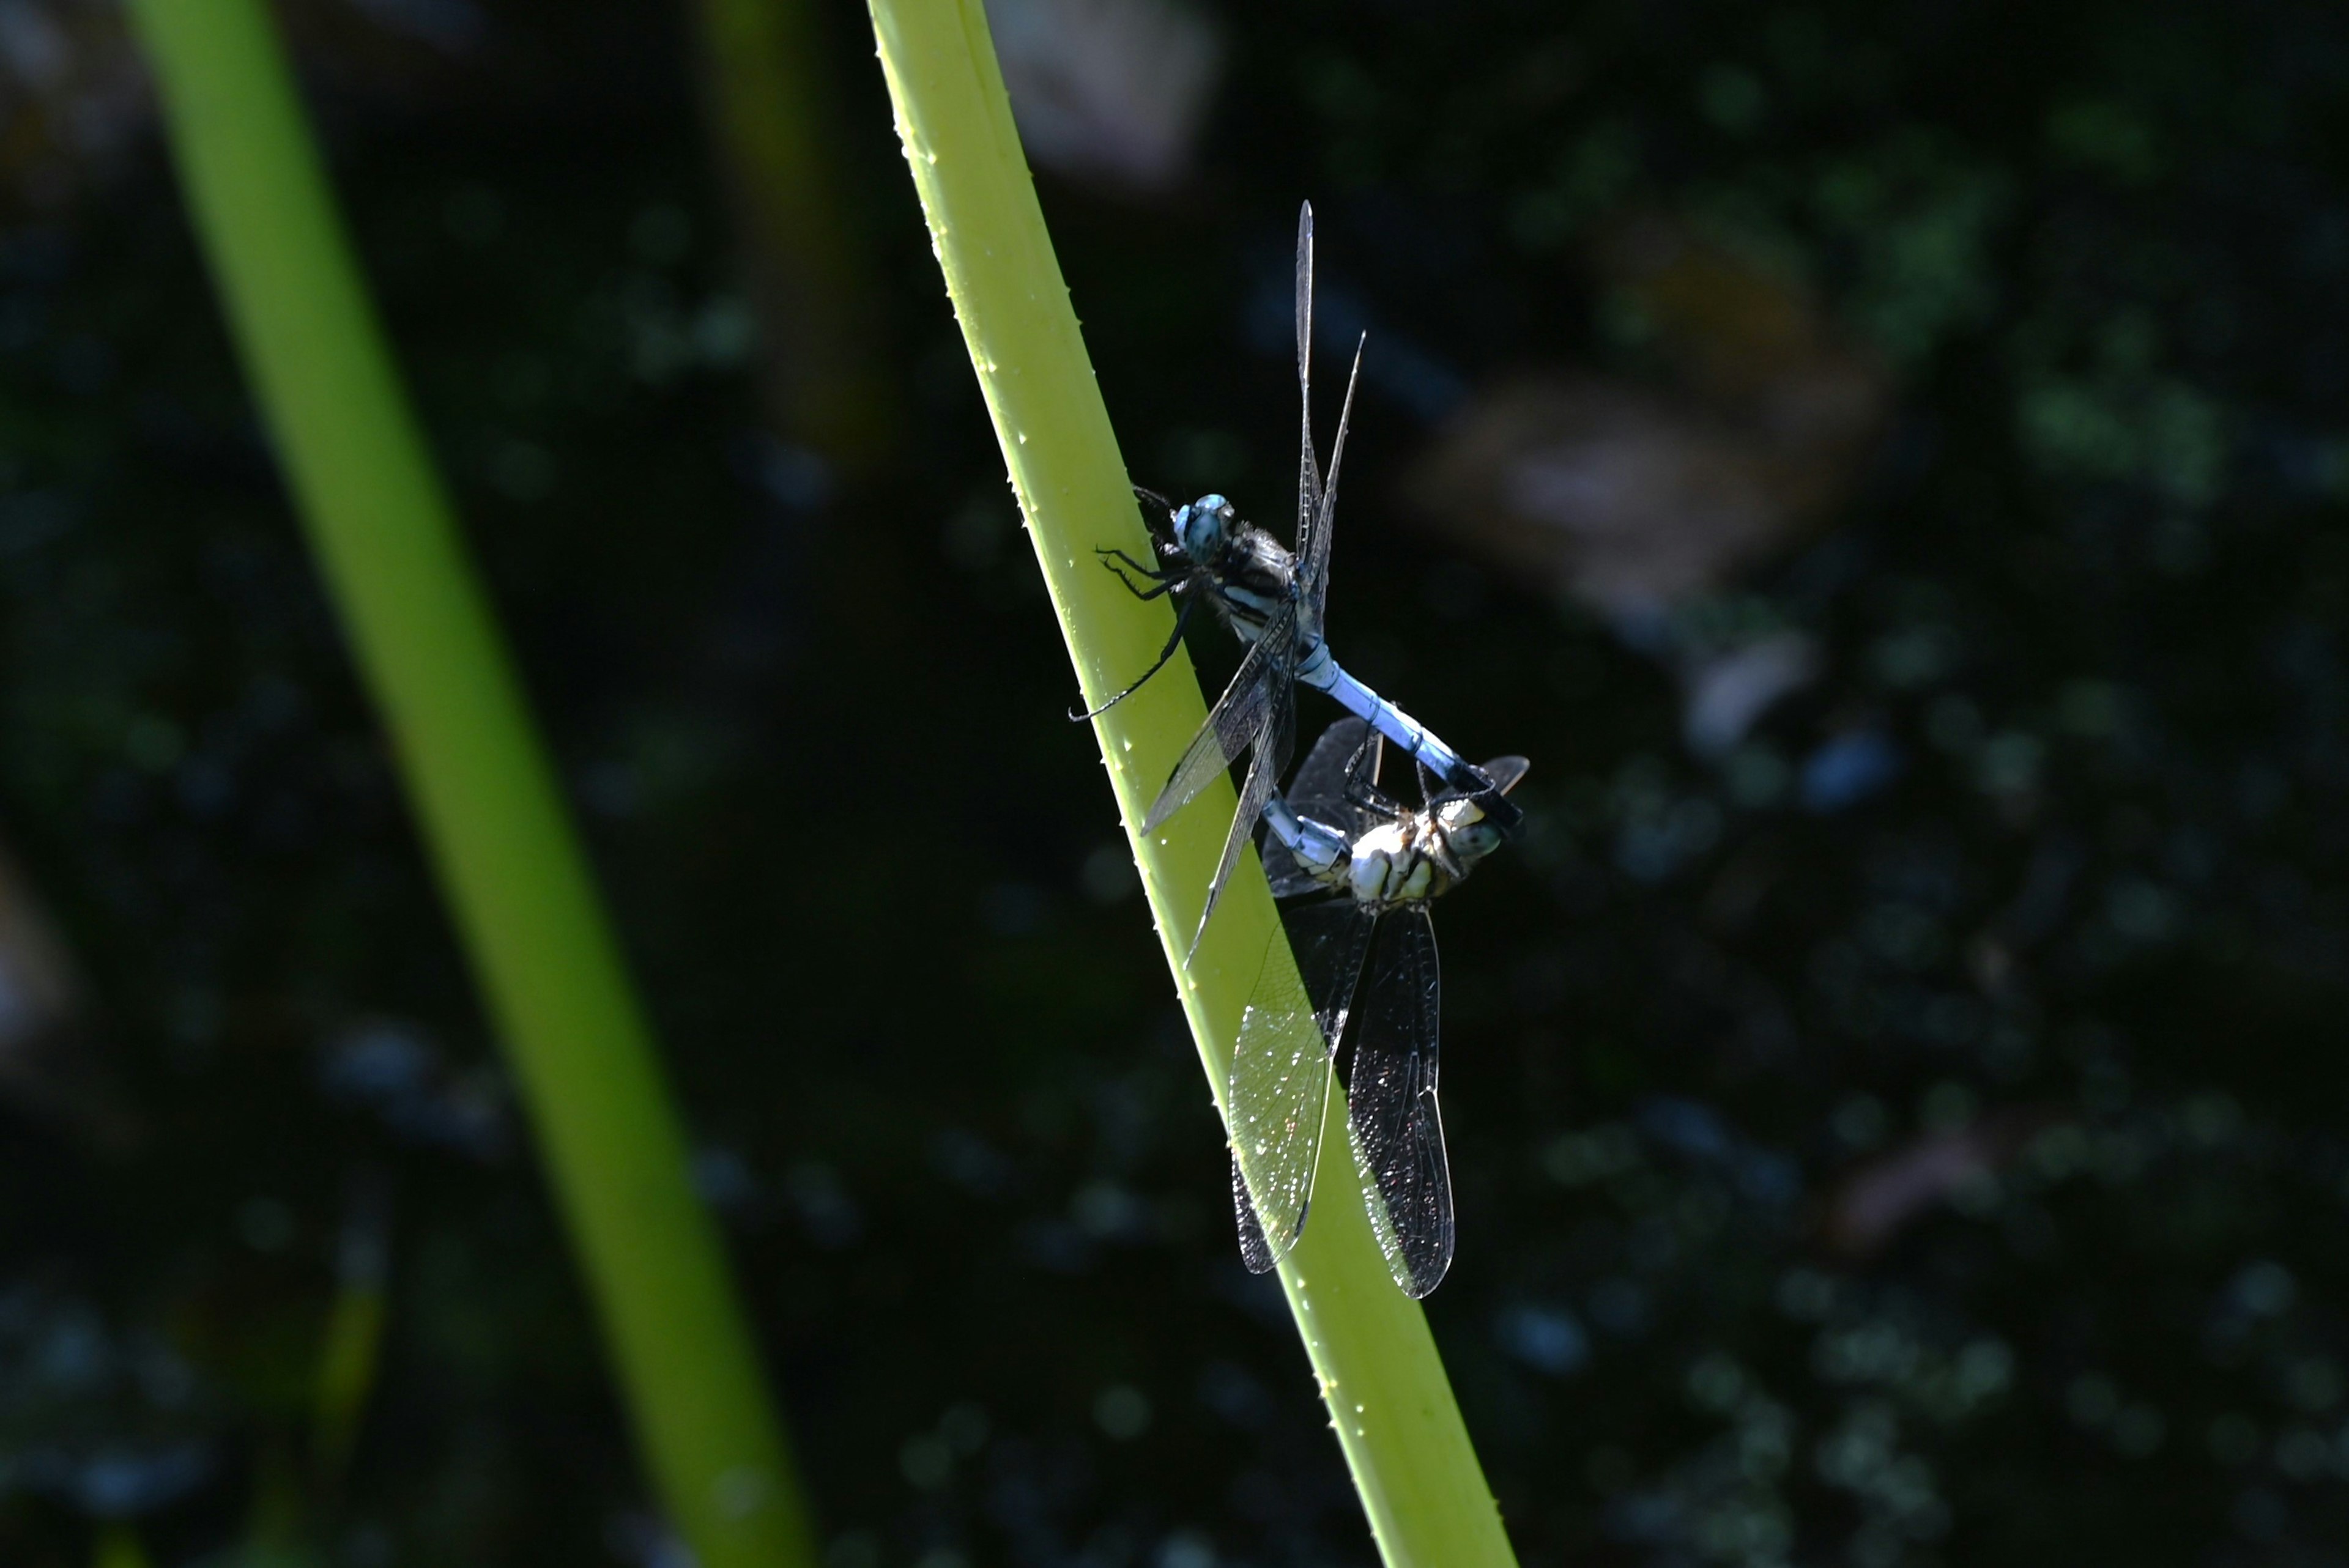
pixel 1205 526
pixel 1468 832
pixel 1471 841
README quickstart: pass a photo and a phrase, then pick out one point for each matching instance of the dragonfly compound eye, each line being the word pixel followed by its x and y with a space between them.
pixel 1473 842
pixel 1202 526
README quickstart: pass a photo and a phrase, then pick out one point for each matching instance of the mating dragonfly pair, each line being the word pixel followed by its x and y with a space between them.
pixel 1369 864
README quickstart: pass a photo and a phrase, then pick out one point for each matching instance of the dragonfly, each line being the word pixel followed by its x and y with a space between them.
pixel 1274 598
pixel 1364 869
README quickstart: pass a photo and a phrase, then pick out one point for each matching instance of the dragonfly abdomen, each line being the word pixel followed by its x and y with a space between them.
pixel 1322 672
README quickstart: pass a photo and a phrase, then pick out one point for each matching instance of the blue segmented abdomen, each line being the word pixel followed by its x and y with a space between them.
pixel 1321 672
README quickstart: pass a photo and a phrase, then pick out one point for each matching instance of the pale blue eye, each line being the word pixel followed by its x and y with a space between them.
pixel 1200 526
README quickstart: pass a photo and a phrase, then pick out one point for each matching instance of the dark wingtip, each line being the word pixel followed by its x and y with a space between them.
pixel 1215 896
pixel 1506 772
pixel 1489 787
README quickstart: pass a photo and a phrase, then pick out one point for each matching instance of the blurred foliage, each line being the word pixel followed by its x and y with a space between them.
pixel 1914 1138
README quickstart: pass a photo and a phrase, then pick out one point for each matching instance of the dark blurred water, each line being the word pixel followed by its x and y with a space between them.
pixel 1908 1130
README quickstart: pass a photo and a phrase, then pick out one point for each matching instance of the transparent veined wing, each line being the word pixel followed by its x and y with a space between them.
pixel 1234 724
pixel 1313 558
pixel 1280 1073
pixel 1264 769
pixel 1318 790
pixel 1255 1251
pixel 1392 1120
pixel 1315 502
pixel 1309 471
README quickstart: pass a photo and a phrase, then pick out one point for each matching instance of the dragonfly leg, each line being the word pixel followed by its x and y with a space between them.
pixel 1182 618
pixel 1166 580
pixel 1363 791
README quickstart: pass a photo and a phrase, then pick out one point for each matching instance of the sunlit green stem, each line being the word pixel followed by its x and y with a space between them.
pixel 1402 1433
pixel 483 793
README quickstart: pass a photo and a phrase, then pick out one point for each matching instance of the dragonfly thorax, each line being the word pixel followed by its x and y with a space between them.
pixel 1255 577
pixel 1419 855
pixel 1391 866
pixel 1244 573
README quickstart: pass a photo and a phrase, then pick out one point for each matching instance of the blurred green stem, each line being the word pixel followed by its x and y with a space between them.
pixel 350 1344
pixel 483 792
pixel 1376 1365
pixel 119 1546
pixel 764 91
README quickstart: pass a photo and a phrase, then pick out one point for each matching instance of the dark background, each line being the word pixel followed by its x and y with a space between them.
pixel 1907 1132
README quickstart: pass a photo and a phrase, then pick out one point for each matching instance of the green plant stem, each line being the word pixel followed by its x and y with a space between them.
pixel 483 790
pixel 1376 1365
pixel 765 94
pixel 350 1344
pixel 119 1546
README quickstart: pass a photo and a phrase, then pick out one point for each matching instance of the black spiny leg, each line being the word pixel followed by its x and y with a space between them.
pixel 1363 791
pixel 1166 580
pixel 1182 618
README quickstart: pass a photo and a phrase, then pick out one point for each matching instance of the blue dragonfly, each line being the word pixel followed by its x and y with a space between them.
pixel 1274 598
pixel 1362 869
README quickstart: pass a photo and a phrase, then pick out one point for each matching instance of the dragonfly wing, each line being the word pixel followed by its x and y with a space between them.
pixel 1494 779
pixel 1393 1123
pixel 1279 1079
pixel 1309 470
pixel 1506 772
pixel 1313 550
pixel 1232 726
pixel 1255 1251
pixel 1318 790
pixel 1271 760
